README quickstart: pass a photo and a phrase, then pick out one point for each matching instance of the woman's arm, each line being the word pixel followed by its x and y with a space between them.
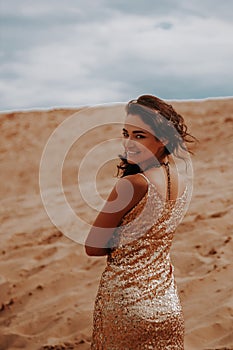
pixel 127 192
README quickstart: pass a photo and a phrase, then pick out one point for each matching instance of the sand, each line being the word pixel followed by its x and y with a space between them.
pixel 48 284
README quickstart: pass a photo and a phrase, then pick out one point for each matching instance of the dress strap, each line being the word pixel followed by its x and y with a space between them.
pixel 168 180
pixel 145 177
pixel 166 165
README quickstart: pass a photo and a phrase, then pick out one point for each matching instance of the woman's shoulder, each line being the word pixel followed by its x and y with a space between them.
pixel 139 181
pixel 134 186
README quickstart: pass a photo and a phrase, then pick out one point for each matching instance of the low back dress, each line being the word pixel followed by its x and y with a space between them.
pixel 137 304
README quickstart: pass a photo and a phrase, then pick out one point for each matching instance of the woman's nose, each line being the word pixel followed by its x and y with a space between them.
pixel 129 142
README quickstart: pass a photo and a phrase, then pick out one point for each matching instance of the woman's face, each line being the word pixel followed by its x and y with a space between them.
pixel 141 145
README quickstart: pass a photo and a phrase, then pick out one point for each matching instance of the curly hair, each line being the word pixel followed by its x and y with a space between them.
pixel 166 123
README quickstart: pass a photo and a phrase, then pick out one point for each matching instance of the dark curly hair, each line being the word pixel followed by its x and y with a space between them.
pixel 164 121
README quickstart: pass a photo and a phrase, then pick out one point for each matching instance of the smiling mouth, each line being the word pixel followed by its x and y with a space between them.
pixel 132 153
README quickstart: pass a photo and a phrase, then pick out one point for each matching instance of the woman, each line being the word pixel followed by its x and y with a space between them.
pixel 137 305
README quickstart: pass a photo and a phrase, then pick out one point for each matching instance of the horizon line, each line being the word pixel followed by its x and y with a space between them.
pixel 37 109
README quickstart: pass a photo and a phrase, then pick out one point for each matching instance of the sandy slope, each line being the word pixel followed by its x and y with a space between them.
pixel 47 283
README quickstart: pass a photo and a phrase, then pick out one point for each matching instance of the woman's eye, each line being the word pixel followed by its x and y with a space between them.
pixel 124 134
pixel 139 137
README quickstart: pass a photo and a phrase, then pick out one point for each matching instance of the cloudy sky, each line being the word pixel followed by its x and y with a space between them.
pixel 73 52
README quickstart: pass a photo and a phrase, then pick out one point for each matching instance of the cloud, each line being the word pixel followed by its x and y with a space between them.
pixel 179 8
pixel 65 55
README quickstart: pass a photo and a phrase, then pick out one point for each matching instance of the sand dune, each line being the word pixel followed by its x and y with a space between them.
pixel 48 284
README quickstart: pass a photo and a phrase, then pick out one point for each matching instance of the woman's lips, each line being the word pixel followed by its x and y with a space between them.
pixel 132 153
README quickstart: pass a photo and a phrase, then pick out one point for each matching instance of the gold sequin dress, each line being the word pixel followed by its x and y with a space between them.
pixel 137 305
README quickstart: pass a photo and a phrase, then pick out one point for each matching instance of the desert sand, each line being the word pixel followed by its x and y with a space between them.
pixel 48 284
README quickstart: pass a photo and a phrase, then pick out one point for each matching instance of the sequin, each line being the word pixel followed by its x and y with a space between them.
pixel 137 305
